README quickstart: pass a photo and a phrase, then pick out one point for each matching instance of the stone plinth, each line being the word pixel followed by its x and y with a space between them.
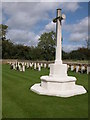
pixel 58 83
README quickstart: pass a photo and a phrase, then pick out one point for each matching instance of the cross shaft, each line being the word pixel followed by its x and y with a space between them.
pixel 58 20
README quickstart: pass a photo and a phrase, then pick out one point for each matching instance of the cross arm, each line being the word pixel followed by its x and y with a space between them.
pixel 55 19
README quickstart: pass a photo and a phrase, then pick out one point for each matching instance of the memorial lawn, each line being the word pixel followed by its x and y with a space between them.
pixel 18 101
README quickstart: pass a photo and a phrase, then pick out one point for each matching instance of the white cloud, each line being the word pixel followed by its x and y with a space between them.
pixel 81 26
pixel 0 13
pixel 78 31
pixel 23 37
pixel 49 27
pixel 70 6
pixel 45 1
pixel 69 48
pixel 89 24
pixel 25 15
pixel 22 17
pixel 78 36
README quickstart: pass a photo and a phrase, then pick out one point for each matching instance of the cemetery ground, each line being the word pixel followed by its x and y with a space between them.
pixel 18 101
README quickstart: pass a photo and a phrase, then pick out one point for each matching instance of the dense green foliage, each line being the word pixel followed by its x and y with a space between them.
pixel 80 54
pixel 20 102
pixel 45 49
pixel 12 51
pixel 3 31
pixel 0 49
pixel 47 45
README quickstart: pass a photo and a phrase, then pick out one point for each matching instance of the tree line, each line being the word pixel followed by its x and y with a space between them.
pixel 45 50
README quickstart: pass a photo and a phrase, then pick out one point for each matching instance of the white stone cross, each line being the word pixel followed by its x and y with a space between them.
pixel 58 20
pixel 58 83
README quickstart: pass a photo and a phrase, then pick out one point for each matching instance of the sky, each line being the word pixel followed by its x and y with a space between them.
pixel 28 20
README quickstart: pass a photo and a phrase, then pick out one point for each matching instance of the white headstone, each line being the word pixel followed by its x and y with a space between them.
pixel 35 66
pixel 45 65
pixel 14 67
pixel 23 68
pixel 77 68
pixel 30 64
pixel 88 69
pixel 72 67
pixel 39 68
pixel 82 69
pixel 25 63
pixel 20 69
pixel 41 64
pixel 48 65
pixel 38 65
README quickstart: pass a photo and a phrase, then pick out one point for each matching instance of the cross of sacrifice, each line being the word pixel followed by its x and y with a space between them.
pixel 58 21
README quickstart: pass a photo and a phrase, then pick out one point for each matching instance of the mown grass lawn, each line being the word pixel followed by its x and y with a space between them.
pixel 20 102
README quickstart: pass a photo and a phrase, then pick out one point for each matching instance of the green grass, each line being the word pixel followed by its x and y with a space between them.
pixel 20 102
pixel 0 91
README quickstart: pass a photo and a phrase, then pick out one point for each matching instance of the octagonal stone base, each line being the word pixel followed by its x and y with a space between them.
pixel 58 83
pixel 66 89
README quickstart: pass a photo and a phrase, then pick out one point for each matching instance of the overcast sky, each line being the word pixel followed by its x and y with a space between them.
pixel 28 20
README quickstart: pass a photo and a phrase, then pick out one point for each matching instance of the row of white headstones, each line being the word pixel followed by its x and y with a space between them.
pixel 22 66
pixel 79 68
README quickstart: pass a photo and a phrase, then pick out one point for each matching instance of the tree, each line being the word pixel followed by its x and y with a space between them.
pixel 47 45
pixel 7 49
pixel 3 31
pixel 80 54
pixel 88 42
